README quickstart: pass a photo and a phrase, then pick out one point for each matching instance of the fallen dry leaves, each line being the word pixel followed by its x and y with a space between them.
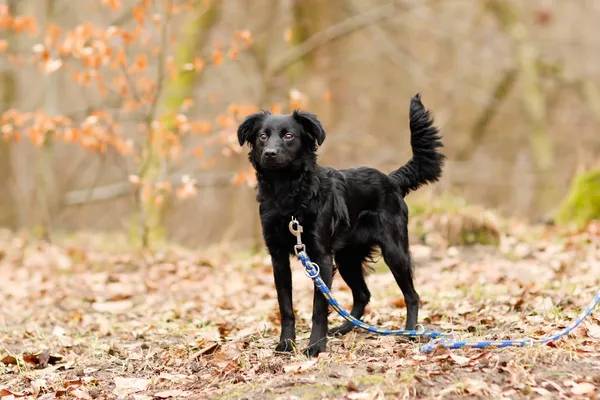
pixel 126 386
pixel 299 367
pixel 583 388
pixel 79 322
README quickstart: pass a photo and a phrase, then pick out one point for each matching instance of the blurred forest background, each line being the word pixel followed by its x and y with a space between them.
pixel 120 115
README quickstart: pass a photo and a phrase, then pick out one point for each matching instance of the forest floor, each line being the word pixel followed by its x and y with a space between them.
pixel 80 319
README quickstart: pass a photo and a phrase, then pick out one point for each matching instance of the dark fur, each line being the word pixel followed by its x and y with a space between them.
pixel 346 213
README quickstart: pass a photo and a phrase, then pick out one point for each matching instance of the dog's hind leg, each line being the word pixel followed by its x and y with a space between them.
pixel 397 257
pixel 350 265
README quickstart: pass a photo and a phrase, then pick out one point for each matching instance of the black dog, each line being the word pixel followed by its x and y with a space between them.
pixel 345 213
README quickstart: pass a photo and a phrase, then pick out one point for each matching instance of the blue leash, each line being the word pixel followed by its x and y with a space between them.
pixel 438 339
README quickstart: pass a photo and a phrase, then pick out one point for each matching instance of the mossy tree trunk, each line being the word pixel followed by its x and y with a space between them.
pixel 45 195
pixel 582 203
pixel 151 212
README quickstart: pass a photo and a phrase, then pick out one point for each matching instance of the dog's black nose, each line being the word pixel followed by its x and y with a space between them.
pixel 270 153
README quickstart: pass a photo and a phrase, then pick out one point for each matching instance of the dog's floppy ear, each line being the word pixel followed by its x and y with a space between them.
pixel 311 125
pixel 249 127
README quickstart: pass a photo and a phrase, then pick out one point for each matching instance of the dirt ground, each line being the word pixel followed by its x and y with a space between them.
pixel 86 320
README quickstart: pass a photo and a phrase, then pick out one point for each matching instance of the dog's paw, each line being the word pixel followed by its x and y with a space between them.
pixel 314 350
pixel 286 345
pixel 413 327
pixel 341 330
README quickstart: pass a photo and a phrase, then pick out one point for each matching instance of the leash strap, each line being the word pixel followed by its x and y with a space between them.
pixel 438 339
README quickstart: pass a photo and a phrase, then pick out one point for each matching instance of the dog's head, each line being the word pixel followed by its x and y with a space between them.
pixel 281 141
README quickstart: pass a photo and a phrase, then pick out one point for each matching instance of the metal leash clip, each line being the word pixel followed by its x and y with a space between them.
pixel 296 230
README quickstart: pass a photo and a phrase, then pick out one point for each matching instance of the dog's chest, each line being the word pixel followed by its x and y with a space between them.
pixel 276 229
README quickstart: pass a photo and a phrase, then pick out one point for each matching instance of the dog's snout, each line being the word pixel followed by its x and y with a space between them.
pixel 270 153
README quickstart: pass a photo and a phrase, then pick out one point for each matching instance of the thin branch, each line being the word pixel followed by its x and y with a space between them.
pixel 479 130
pixel 330 34
pixel 534 102
pixel 120 189
pixel 397 57
pixel 161 59
pixel 123 19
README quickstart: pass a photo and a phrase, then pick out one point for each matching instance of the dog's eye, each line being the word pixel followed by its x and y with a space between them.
pixel 288 136
pixel 262 137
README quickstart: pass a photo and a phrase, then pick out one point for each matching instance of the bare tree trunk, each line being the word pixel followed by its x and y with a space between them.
pixel 7 204
pixel 304 13
pixel 534 102
pixel 590 95
pixel 8 94
pixel 44 199
pixel 479 130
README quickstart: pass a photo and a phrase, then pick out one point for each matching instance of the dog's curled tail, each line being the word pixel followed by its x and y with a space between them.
pixel 425 140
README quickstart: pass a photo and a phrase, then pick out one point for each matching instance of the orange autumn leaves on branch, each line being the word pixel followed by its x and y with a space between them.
pixel 17 23
pixel 95 133
pixel 125 67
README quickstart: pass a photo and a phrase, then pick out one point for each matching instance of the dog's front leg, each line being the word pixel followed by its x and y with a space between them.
pixel 283 284
pixel 318 336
